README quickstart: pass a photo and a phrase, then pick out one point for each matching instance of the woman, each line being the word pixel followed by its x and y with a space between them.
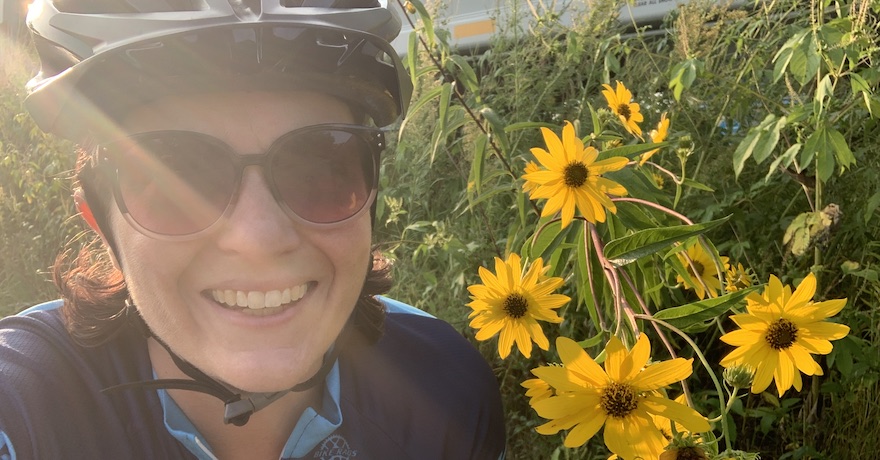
pixel 229 166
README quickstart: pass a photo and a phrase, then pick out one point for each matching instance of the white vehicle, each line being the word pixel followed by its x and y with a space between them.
pixel 471 23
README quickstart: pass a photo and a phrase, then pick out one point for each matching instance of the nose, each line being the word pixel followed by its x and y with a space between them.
pixel 257 225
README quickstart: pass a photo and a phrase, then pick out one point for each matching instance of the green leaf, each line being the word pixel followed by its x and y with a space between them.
pixel 592 341
pixel 597 124
pixel 759 142
pixel 842 154
pixel 488 194
pixel 871 206
pixel 805 60
pixel 498 128
pixel 826 145
pixel 783 160
pixel 858 84
pixel 467 75
pixel 412 57
pixel 783 57
pixel 693 314
pixel 529 125
pixel 475 181
pixel 427 22
pixel 583 287
pixel 440 129
pixel 425 99
pixel 697 185
pixel 683 76
pixel 547 238
pixel 627 249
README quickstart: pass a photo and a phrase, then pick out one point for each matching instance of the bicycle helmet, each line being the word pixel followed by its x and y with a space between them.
pixel 101 57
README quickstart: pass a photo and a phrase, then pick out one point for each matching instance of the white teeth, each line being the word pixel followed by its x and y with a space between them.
pixel 273 299
pixel 257 300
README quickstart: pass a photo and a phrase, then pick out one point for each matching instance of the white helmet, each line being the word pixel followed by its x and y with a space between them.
pixel 101 57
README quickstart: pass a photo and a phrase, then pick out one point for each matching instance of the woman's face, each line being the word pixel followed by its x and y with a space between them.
pixel 258 250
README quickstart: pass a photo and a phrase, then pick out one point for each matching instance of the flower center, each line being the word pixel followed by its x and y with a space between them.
pixel 618 400
pixel 781 334
pixel 698 268
pixel 575 174
pixel 623 110
pixel 516 306
pixel 690 453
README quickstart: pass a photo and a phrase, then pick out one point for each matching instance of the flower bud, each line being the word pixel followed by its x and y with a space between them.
pixel 739 376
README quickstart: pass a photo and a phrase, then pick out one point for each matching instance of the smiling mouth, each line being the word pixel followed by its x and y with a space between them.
pixel 259 300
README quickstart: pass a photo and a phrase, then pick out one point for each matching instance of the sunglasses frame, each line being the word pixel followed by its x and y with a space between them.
pixel 107 152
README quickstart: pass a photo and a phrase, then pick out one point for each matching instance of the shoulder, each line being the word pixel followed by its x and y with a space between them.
pixel 34 336
pixel 432 346
pixel 53 385
pixel 424 377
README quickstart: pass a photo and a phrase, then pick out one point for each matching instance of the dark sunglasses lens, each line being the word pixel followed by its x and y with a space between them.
pixel 175 184
pixel 324 176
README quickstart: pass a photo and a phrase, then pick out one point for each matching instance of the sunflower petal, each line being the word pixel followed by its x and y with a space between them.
pixel 784 372
pixel 764 370
pixel 615 359
pixel 638 356
pixel 582 432
pixel 804 292
pixel 554 144
pixel 578 361
pixel 825 330
pixel 741 337
pixel 664 373
pixel 688 417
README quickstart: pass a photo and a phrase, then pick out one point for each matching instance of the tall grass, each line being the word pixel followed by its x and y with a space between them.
pixel 35 203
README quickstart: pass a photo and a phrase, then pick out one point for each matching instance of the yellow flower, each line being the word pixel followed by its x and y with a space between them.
pixel 781 332
pixel 537 390
pixel 703 268
pixel 571 177
pixel 531 167
pixel 738 278
pixel 619 101
pixel 510 302
pixel 657 135
pixel 621 397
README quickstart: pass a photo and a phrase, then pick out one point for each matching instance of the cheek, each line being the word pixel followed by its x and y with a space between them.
pixel 151 268
pixel 350 250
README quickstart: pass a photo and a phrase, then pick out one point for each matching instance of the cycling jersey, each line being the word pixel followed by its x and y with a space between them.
pixel 421 392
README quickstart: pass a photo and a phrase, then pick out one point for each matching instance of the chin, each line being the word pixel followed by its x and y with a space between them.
pixel 267 376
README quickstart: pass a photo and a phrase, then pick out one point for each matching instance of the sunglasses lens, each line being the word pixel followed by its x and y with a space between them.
pixel 175 184
pixel 180 183
pixel 324 176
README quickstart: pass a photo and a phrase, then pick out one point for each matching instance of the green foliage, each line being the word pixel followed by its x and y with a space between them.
pixel 35 204
pixel 773 112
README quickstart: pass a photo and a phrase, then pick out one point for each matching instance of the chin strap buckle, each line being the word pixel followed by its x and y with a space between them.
pixel 240 408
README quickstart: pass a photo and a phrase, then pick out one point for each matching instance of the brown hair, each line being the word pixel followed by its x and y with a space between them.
pixel 94 290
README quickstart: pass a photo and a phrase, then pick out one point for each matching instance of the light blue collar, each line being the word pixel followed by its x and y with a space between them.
pixel 311 428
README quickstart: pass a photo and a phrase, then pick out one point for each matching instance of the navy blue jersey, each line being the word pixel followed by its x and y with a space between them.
pixel 421 392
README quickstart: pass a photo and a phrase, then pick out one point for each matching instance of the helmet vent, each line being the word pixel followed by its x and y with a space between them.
pixel 247 10
pixel 330 3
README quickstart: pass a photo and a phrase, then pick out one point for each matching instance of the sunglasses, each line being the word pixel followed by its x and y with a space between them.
pixel 177 185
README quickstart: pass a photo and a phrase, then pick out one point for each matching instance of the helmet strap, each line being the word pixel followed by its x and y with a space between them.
pixel 239 405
